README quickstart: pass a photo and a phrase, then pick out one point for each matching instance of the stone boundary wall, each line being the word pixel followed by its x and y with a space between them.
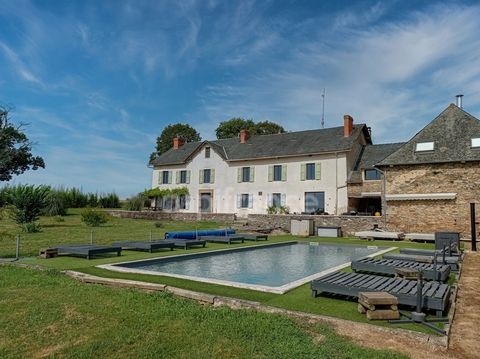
pixel 349 224
pixel 174 216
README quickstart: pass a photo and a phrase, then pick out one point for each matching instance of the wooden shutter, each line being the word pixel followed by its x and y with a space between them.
pixel 188 176
pixel 170 175
pixel 187 202
pixel 270 173
pixel 200 180
pixel 178 175
pixel 212 176
pixel 283 199
pixel 318 171
pixel 284 173
pixel 239 174
pixel 252 174
pixel 239 200
pixel 160 177
pixel 303 172
pixel 250 200
pixel 269 200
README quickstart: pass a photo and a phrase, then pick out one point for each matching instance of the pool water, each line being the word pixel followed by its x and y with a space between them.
pixel 271 265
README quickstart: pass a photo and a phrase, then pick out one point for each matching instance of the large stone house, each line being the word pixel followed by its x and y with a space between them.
pixel 432 178
pixel 306 171
pixel 422 185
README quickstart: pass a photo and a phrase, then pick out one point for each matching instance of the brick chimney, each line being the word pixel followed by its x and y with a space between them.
pixel 244 136
pixel 178 142
pixel 347 125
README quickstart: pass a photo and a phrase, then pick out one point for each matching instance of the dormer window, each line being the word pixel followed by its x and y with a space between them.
pixel 207 152
pixel 476 142
pixel 424 146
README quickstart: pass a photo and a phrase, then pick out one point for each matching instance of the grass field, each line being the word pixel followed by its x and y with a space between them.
pixel 122 229
pixel 44 314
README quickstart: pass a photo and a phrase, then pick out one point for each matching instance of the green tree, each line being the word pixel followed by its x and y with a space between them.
pixel 27 202
pixel 165 140
pixel 232 127
pixel 15 149
pixel 268 128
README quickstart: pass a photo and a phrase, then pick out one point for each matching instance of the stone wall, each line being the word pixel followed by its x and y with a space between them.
pixel 349 224
pixel 175 216
pixel 433 215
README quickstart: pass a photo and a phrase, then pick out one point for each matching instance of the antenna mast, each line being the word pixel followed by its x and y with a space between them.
pixel 323 108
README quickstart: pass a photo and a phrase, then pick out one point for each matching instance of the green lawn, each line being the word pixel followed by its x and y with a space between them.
pixel 72 230
pixel 46 314
pixel 298 299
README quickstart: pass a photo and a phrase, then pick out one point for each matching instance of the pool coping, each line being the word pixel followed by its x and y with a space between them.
pixel 262 288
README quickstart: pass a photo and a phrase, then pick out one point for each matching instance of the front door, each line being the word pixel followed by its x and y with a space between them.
pixel 206 201
pixel 314 202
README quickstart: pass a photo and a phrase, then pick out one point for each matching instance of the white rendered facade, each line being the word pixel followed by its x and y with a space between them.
pixel 229 194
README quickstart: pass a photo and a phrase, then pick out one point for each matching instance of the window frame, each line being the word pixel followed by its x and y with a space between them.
pixel 275 167
pixel 377 172
pixel 167 174
pixel 277 195
pixel 246 174
pixel 205 176
pixel 207 152
pixel 244 200
pixel 312 168
pixel 183 176
pixel 475 142
pixel 423 147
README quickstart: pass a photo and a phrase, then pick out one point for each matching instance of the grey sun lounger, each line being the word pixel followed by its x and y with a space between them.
pixel 87 250
pixel 427 252
pixel 145 245
pixel 451 261
pixel 396 236
pixel 187 243
pixel 223 239
pixel 255 237
pixel 388 266
pixel 436 295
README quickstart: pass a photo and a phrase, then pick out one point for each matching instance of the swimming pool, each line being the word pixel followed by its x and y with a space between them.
pixel 275 268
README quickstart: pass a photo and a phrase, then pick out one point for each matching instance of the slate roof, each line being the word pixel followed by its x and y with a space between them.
pixel 270 146
pixel 451 131
pixel 370 156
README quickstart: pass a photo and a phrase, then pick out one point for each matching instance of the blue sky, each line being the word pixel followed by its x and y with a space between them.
pixel 98 80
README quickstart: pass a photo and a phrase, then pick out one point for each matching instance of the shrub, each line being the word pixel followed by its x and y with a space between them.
pixel 278 210
pixel 93 217
pixel 55 205
pixel 31 227
pixel 27 202
pixel 135 203
pixel 158 224
pixel 110 200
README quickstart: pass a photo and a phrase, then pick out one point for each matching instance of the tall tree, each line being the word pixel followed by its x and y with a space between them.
pixel 232 127
pixel 268 128
pixel 15 149
pixel 165 140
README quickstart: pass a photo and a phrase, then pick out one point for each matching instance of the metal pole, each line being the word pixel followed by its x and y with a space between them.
pixel 17 247
pixel 473 227
pixel 419 292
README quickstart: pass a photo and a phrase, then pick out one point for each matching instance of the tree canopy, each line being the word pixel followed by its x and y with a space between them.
pixel 232 128
pixel 15 150
pixel 165 140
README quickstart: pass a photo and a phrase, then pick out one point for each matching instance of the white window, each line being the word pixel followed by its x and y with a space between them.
pixel 245 200
pixel 475 142
pixel 424 146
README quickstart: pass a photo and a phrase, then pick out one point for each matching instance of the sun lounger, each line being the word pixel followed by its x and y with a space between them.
pixel 379 235
pixel 223 239
pixel 145 245
pixel 255 237
pixel 451 261
pixel 188 243
pixel 436 295
pixel 427 252
pixel 388 266
pixel 198 233
pixel 422 237
pixel 87 250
